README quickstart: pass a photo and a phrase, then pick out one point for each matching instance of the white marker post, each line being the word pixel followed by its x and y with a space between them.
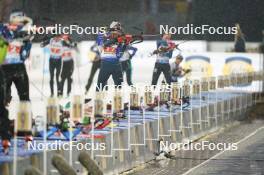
pixel 52 119
pixel 77 113
pixel 23 126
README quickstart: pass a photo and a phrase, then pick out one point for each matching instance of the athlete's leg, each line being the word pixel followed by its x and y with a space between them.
pixel 69 76
pixel 4 120
pixel 104 74
pixel 69 81
pixel 129 73
pixel 117 74
pixel 51 70
pixel 156 74
pixel 22 83
pixel 95 67
pixel 167 73
pixel 63 76
pixel 8 85
pixel 124 66
pixel 9 72
pixel 58 73
pixel 60 92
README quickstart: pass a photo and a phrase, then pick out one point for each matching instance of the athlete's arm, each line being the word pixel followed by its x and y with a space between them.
pixel 133 49
pixel 109 42
pixel 45 43
pixel 25 50
pixel 5 33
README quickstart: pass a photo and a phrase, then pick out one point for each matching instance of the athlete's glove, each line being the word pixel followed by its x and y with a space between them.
pixel 130 39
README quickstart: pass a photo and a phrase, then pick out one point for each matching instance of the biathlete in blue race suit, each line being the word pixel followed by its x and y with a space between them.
pixel 56 45
pixel 111 52
pixel 12 67
pixel 19 46
pixel 162 64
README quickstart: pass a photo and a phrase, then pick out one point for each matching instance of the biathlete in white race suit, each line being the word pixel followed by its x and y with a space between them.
pixel 4 120
pixel 67 67
pixel 56 45
pixel 125 61
pixel 165 47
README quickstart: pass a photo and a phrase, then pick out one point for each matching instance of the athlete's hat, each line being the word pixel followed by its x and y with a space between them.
pixel 115 25
pixel 16 15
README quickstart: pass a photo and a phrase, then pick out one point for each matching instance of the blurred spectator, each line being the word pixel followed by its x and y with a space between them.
pixel 150 27
pixel 5 9
pixel 176 69
pixel 189 10
pixel 240 45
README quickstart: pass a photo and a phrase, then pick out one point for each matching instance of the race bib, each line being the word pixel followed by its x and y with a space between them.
pixel 13 53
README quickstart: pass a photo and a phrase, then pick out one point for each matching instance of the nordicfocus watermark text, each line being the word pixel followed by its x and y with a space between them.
pixel 67 146
pixel 198 146
pixel 191 29
pixel 59 29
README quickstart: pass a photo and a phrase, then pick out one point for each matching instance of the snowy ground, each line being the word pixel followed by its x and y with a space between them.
pixel 247 159
pixel 38 72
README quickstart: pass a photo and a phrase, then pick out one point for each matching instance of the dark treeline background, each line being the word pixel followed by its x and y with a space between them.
pixel 146 14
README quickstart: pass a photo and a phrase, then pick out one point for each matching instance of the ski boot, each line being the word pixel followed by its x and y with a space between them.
pixel 28 138
pixel 6 144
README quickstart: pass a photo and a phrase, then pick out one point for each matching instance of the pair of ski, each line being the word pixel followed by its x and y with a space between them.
pixel 56 132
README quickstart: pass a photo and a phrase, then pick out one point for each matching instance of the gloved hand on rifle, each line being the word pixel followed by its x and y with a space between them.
pixel 125 39
pixel 171 46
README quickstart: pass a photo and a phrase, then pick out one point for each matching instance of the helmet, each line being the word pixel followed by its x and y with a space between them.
pixel 65 37
pixel 180 57
pixel 166 36
pixel 115 25
pixel 17 16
